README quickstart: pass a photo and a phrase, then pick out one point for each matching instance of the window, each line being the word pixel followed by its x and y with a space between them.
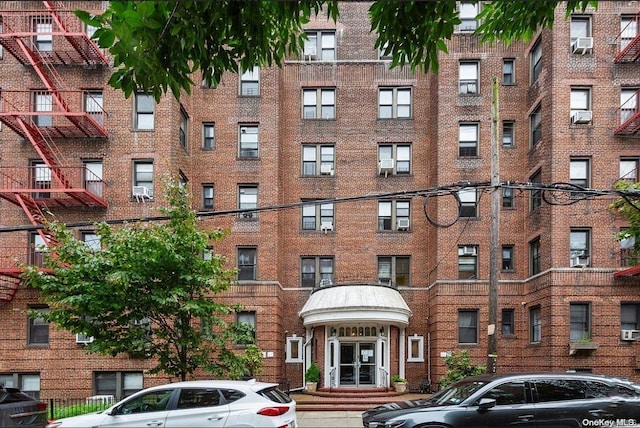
pixel 316 271
pixel 250 82
pixel 248 141
pixel 630 316
pixel 37 249
pixel 508 127
pixel 508 327
pixel 628 30
pixel 248 318
pixel 536 193
pixel 394 159
pixel 580 321
pixel 579 247
pixel 144 113
pixel 381 52
pixel 468 140
pixel 535 126
pixel 579 175
pixel 320 46
pixel 508 394
pixel 44 33
pixel 248 200
pixel 247 260
pixel 294 350
pixel 416 349
pixel 468 326
pixel 468 203
pixel 91 240
pixel 394 270
pixel 629 169
pixel 535 324
pixel 508 71
pixel 508 198
pixel 467 262
pixel 208 135
pixel 28 383
pixel 393 215
pixel 628 103
pixel 318 159
pixel 580 101
pixel 184 128
pixel 580 27
pixel 38 333
pixel 507 258
pixel 318 217
pixel 89 30
pixel 41 179
pixel 535 257
pixel 43 102
pixel 199 398
pixel 93 105
pixel 394 103
pixel 536 61
pixel 1 49
pixel 118 384
pixel 143 175
pixel 319 103
pixel 207 196
pixel 467 13
pixel 468 75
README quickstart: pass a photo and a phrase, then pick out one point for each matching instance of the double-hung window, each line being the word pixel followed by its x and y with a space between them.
pixel 535 325
pixel 144 111
pixel 580 321
pixel 91 240
pixel 319 103
pixel 508 324
pixel 468 75
pixel 507 258
pixel 536 192
pixel 536 60
pixel 247 263
pixel 118 384
pixel 535 126
pixel 579 175
pixel 320 46
pixel 630 316
pixel 318 159
pixel 207 196
pixel 468 326
pixel 468 12
pixel 43 27
pixel 93 103
pixel 143 175
pixel 580 29
pixel 38 328
pixel 92 176
pixel 467 262
pixel 37 249
pixel 629 169
pixel 580 101
pixel 316 271
pixel 535 257
pixel 208 135
pixel 468 198
pixel 508 197
pixel 394 103
pixel 250 82
pixel 248 140
pixel 508 133
pixel 394 215
pixel 318 217
pixel 508 71
pixel 579 243
pixel 184 128
pixel 394 270
pixel 628 103
pixel 248 318
pixel 43 103
pixel 248 200
pixel 468 140
pixel 628 30
pixel 394 158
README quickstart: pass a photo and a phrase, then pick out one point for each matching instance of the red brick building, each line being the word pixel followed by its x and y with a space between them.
pixel 392 271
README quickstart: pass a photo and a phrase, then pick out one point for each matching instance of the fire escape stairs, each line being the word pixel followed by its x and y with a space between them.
pixel 13 42
pixel 630 53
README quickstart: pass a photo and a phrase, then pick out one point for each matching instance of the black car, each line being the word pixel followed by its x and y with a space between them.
pixel 17 409
pixel 550 400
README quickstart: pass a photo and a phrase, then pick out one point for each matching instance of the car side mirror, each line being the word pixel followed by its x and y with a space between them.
pixel 486 403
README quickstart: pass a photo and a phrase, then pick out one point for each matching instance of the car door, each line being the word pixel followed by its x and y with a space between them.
pixel 198 407
pixel 513 407
pixel 145 410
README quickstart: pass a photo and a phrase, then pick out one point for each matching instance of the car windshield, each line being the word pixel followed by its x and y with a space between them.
pixel 457 392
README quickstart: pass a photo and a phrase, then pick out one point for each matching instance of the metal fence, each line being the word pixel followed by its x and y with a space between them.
pixel 67 407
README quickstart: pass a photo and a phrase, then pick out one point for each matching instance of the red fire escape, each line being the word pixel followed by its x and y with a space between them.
pixel 628 112
pixel 42 40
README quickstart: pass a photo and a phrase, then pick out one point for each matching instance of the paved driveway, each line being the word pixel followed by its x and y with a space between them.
pixel 337 419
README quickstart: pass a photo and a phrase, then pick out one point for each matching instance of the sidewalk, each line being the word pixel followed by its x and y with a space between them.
pixel 335 419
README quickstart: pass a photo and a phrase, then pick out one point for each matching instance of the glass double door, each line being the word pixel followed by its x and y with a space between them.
pixel 357 363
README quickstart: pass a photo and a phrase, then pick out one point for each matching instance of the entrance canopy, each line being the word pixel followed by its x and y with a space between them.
pixel 355 302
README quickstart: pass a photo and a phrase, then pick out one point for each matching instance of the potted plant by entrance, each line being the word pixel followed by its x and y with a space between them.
pixel 400 384
pixel 312 377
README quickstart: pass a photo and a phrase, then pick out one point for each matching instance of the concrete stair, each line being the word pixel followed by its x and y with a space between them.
pixel 348 399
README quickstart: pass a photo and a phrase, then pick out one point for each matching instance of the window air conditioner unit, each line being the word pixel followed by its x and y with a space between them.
pixel 583 116
pixel 309 52
pixel 326 169
pixel 247 215
pixel 579 262
pixel 83 338
pixel 582 45
pixel 629 335
pixel 141 192
pixel 386 166
pixel 468 251
pixel 326 226
pixel 325 282
pixel 403 224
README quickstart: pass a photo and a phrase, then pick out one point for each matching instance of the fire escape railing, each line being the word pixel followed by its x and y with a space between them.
pixel 628 41
pixel 628 115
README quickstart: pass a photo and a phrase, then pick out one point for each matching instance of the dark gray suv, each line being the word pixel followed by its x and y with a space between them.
pixel 550 400
pixel 17 409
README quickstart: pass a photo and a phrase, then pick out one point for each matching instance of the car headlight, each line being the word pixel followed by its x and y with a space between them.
pixel 394 424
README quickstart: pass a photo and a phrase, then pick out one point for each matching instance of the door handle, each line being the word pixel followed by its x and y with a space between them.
pixel 214 418
pixel 525 417
pixel 154 424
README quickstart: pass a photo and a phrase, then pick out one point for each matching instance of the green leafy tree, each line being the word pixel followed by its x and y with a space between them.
pixel 158 45
pixel 458 367
pixel 147 292
pixel 627 206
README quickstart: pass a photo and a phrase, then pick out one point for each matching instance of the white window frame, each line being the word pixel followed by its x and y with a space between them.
pixel 294 342
pixel 469 77
pixel 468 137
pixel 628 30
pixel 247 200
pixel 419 341
pixel 248 141
pixel 628 103
pixel 580 99
pixel 629 169
pixel 468 12
pixel 250 82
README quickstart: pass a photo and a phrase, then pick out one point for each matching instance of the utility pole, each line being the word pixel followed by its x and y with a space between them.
pixel 494 245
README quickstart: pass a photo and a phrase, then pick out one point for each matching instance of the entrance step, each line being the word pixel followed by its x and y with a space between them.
pixel 345 399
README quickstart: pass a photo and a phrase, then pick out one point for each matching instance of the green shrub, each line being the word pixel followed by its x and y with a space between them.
pixel 313 373
pixel 398 379
pixel 458 367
